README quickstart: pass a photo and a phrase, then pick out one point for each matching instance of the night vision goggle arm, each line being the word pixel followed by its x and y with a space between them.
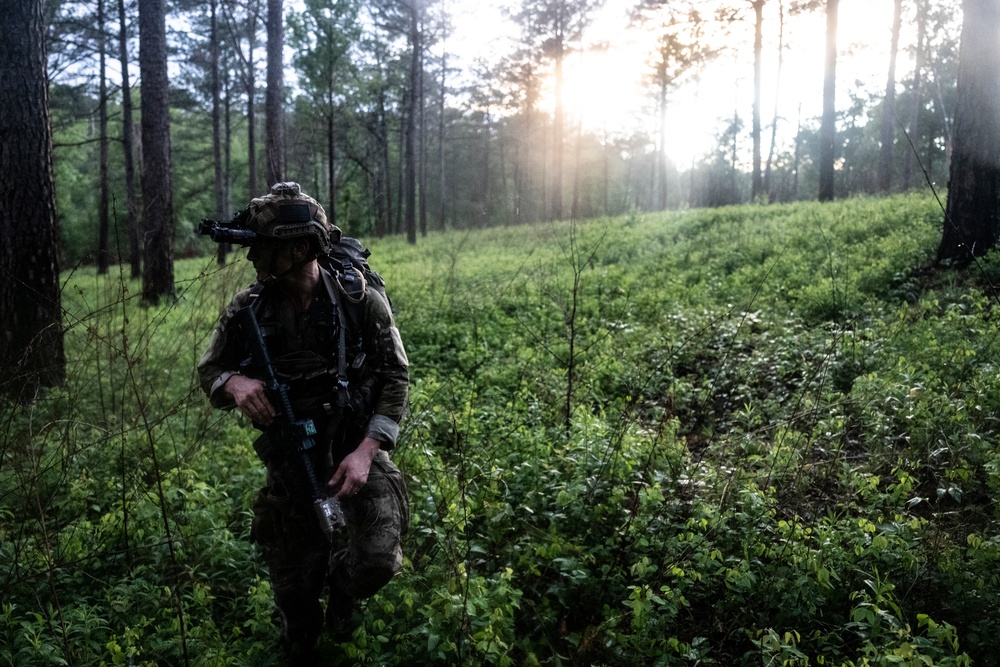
pixel 226 232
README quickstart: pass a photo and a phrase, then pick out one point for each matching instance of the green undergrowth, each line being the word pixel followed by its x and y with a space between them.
pixel 743 436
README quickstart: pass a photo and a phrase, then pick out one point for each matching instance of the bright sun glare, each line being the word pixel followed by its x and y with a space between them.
pixel 604 89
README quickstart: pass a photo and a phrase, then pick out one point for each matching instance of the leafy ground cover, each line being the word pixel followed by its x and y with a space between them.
pixel 743 436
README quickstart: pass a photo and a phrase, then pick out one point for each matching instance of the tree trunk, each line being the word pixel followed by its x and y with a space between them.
pixel 828 128
pixel 916 104
pixel 134 247
pixel 757 186
pixel 661 162
pixel 220 187
pixel 442 217
pixel 970 224
pixel 888 126
pixel 274 135
pixel 768 186
pixel 557 133
pixel 102 122
pixel 31 339
pixel 157 198
pixel 409 139
pixel 251 82
pixel 422 138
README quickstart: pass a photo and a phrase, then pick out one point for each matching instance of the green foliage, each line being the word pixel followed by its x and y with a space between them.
pixel 752 435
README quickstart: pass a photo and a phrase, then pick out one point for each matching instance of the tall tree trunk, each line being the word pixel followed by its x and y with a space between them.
pixel 422 138
pixel 220 187
pixel 557 132
pixel 331 171
pixel 157 198
pixel 768 186
pixel 251 82
pixel 661 162
pixel 227 143
pixel 409 139
pixel 757 186
pixel 102 122
pixel 442 184
pixel 828 128
pixel 31 333
pixel 973 211
pixel 132 203
pixel 888 125
pixel 274 136
pixel 916 104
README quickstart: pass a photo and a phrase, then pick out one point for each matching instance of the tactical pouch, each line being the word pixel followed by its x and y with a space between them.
pixel 264 448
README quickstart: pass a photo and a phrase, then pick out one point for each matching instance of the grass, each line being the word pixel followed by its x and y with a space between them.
pixel 752 435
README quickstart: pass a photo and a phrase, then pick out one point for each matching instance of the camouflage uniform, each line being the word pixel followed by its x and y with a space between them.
pixel 304 348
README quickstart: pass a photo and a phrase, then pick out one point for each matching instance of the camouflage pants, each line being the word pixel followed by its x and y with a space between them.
pixel 301 559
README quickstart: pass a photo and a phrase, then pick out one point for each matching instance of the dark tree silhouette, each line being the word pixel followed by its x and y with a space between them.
pixel 971 217
pixel 157 198
pixel 31 335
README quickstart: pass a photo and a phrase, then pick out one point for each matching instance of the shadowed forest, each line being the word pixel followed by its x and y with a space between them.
pixel 671 403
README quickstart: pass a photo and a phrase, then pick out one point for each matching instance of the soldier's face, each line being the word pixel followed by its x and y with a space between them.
pixel 269 259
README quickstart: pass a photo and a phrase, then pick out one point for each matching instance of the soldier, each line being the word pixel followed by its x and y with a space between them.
pixel 334 345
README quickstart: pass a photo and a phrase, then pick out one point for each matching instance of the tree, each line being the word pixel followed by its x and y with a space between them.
pixel 157 197
pixel 549 27
pixel 828 128
pixel 916 101
pixel 247 71
pixel 413 96
pixel 757 187
pixel 680 50
pixel 322 35
pixel 132 204
pixel 274 106
pixel 973 210
pixel 31 352
pixel 888 123
pixel 102 107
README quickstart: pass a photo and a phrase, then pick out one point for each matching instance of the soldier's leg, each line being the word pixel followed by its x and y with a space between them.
pixel 377 518
pixel 297 555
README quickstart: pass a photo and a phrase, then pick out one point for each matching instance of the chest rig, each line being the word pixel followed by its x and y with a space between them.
pixel 318 354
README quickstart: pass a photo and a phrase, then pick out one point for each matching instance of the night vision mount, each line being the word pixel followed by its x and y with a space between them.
pixel 233 231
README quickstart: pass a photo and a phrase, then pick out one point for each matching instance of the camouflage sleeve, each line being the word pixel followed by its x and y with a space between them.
pixel 391 369
pixel 221 359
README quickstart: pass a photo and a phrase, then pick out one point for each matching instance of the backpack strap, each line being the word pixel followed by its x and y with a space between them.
pixel 343 394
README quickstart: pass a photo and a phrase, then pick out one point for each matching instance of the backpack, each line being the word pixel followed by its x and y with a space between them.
pixel 347 253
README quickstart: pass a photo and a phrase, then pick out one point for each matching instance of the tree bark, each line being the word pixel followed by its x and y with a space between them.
pixel 828 128
pixel 971 217
pixel 157 198
pixel 135 249
pixel 220 186
pixel 274 139
pixel 31 334
pixel 409 148
pixel 102 123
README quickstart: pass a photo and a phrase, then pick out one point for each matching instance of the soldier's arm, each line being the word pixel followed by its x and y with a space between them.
pixel 391 368
pixel 221 360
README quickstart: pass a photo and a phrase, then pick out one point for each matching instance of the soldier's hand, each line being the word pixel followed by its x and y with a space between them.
pixel 352 473
pixel 251 398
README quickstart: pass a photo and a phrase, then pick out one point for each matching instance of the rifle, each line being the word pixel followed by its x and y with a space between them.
pixel 288 432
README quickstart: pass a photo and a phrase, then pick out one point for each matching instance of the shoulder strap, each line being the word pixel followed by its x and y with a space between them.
pixel 343 397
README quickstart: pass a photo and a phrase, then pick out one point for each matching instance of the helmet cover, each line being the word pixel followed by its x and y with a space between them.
pixel 288 213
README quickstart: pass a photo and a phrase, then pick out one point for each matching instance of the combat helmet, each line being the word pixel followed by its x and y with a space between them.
pixel 288 213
